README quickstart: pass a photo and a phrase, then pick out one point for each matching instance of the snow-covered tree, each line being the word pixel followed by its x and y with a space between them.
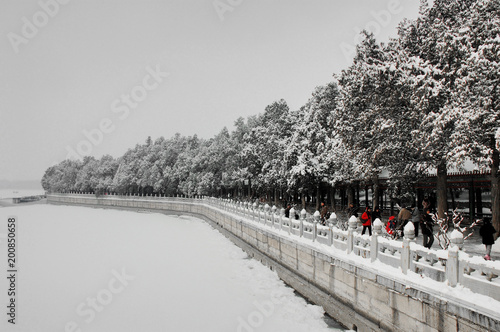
pixel 96 175
pixel 61 177
pixel 431 41
pixel 375 118
pixel 307 154
pixel 476 99
pixel 264 147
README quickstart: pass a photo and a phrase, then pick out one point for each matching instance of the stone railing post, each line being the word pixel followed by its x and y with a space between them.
pixel 267 208
pixel 377 230
pixel 409 237
pixel 254 210
pixel 303 214
pixel 457 239
pixel 273 214
pixel 333 218
pixel 332 221
pixel 353 224
pixel 291 218
pixel 452 264
pixel 282 215
pixel 316 216
pixel 330 233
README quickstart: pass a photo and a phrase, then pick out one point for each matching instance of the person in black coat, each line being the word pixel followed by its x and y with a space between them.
pixel 376 214
pixel 487 232
pixel 352 211
pixel 287 211
pixel 426 223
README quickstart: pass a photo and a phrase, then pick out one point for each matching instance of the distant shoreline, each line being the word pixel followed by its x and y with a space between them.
pixel 7 202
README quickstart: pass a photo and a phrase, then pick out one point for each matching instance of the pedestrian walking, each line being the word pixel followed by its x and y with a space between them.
pixel 426 204
pixel 324 213
pixel 352 211
pixel 287 211
pixel 376 214
pixel 487 232
pixel 403 217
pixel 366 219
pixel 427 231
pixel 415 219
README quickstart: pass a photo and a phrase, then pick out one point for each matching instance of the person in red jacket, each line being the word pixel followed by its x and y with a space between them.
pixel 366 219
pixel 390 226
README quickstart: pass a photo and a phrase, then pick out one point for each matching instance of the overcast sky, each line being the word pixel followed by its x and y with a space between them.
pixel 97 77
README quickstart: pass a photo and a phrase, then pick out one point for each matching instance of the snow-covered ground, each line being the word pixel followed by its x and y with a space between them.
pixel 83 269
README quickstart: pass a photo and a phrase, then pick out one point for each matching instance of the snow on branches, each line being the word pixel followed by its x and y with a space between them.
pixel 444 236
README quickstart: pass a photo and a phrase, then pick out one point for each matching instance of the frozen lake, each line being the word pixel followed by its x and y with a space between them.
pixel 83 269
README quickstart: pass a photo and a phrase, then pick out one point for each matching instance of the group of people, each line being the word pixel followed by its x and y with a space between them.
pixel 424 222
pixel 324 214
pixel 395 226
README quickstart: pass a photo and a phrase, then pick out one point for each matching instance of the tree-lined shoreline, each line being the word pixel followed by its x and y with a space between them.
pixel 427 100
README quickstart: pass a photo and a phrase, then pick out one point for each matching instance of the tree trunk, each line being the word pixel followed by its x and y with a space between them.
pixel 318 198
pixel 350 195
pixel 303 198
pixel 453 205
pixel 375 193
pixel 366 195
pixel 495 182
pixel 441 190
pixel 479 203
pixel 357 199
pixel 249 188
pixel 332 198
pixel 472 202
